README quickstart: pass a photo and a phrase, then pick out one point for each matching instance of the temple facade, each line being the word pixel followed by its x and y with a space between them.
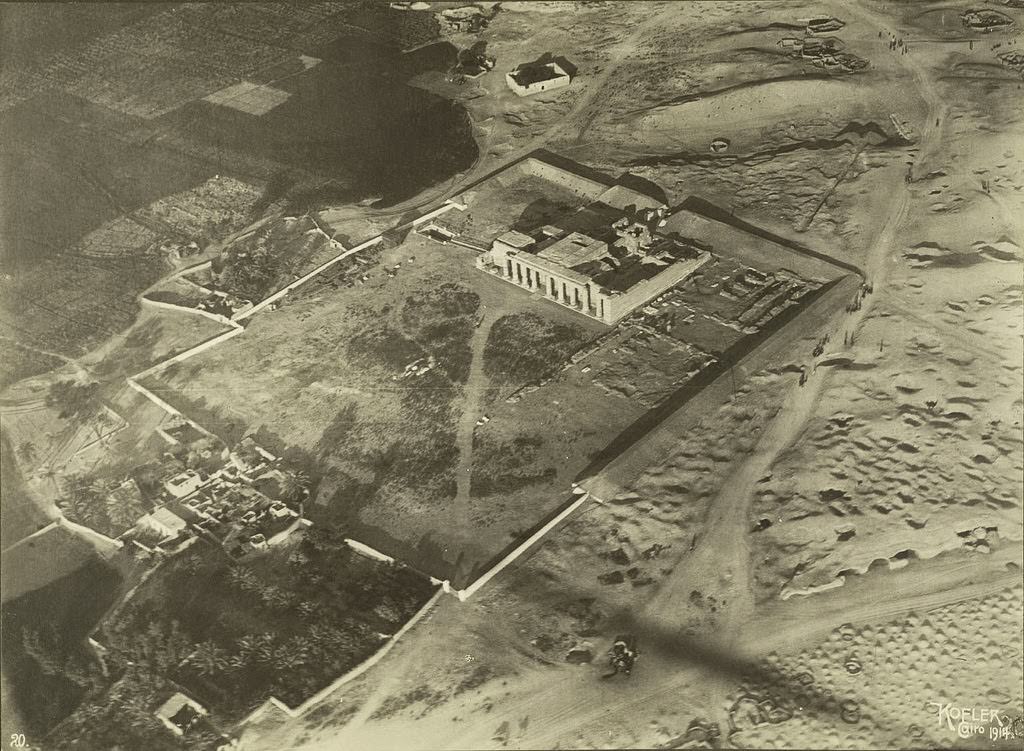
pixel 604 274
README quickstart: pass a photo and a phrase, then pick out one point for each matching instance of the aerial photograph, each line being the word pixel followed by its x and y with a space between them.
pixel 512 375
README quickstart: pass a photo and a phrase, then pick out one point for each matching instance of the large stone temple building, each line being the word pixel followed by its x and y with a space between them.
pixel 601 261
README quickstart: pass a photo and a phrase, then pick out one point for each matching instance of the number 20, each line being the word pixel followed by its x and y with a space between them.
pixel 18 740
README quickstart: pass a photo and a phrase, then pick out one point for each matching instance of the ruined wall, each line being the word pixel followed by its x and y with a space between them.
pixel 617 306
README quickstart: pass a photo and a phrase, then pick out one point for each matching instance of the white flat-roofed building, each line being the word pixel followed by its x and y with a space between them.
pixel 164 522
pixel 533 78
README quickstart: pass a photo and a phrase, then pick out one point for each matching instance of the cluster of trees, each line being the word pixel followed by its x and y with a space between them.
pixel 250 273
pixel 160 646
pixel 72 399
pixel 283 627
pixel 254 267
pixel 56 657
pixel 91 501
pixel 124 718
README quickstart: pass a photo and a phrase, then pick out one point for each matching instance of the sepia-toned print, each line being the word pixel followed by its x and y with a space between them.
pixel 512 375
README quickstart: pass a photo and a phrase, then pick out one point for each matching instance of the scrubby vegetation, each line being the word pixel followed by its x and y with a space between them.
pixel 256 266
pixel 441 319
pixel 433 326
pixel 507 466
pixel 525 348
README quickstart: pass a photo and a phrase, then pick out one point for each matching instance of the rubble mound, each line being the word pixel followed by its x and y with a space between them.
pixel 986 20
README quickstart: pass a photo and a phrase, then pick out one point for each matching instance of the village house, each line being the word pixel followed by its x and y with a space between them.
pixel 184 483
pixel 163 522
pixel 235 506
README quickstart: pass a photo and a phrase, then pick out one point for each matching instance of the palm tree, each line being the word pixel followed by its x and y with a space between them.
pixel 79 508
pixel 303 645
pixel 76 400
pixel 208 659
pixel 173 649
pixel 279 598
pixel 294 484
pixel 72 399
pixel 289 656
pixel 49 472
pixel 248 645
pixel 120 514
pixel 319 635
pixel 88 498
pixel 27 452
pixel 265 648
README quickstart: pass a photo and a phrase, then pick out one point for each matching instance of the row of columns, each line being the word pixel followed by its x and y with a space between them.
pixel 567 293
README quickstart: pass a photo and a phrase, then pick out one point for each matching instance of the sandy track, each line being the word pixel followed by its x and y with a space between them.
pixel 476 385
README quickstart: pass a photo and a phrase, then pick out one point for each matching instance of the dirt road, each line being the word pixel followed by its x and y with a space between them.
pixel 476 385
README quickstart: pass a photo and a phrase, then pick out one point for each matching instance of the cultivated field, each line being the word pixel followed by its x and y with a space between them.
pixel 178 125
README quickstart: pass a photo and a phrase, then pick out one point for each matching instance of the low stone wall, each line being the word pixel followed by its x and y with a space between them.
pixel 581 186
pixel 191 352
pixel 186 309
pixel 522 548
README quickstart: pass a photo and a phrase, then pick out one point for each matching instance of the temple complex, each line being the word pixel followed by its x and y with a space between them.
pixel 602 261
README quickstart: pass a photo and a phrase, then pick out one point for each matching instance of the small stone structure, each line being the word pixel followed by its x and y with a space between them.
pixel 533 78
pixel 179 713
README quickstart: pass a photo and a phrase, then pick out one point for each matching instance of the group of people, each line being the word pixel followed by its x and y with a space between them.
pixel 896 43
